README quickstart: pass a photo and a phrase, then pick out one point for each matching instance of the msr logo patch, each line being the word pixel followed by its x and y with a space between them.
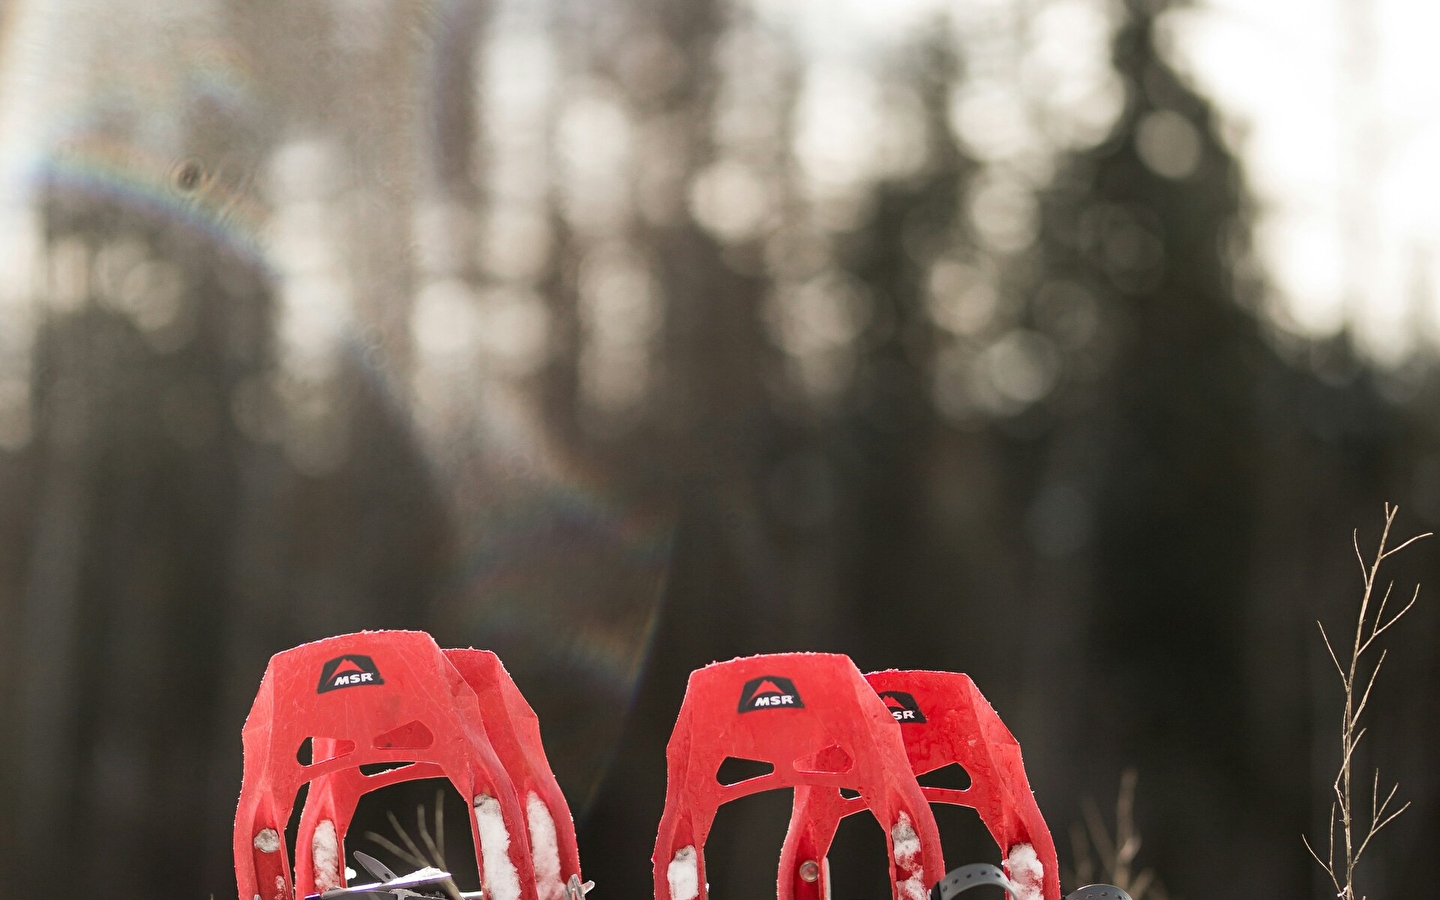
pixel 903 707
pixel 769 692
pixel 350 670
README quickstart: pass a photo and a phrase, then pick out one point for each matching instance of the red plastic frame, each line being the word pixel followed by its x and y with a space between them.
pixel 815 719
pixel 514 732
pixel 946 721
pixel 400 678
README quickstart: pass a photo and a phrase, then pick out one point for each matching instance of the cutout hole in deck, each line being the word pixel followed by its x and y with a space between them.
pixel 402 800
pixel 859 864
pixel 952 777
pixel 334 749
pixel 744 845
pixel 965 839
pixel 736 769
pixel 372 769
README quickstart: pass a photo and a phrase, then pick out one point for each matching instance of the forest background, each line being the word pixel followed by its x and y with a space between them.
pixel 621 336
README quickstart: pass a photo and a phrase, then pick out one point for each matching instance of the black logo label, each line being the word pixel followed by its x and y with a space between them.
pixel 350 670
pixel 769 692
pixel 902 706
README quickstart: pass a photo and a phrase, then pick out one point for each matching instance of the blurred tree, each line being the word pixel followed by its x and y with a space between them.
pixel 577 304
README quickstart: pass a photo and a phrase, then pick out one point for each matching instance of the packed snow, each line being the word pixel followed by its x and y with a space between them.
pixel 684 874
pixel 544 849
pixel 267 840
pixel 1027 872
pixel 501 880
pixel 325 857
pixel 905 845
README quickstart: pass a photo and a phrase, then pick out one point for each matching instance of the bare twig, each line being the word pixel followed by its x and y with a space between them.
pixel 1084 866
pixel 1117 854
pixel 1354 837
pixel 411 853
pixel 405 836
pixel 396 851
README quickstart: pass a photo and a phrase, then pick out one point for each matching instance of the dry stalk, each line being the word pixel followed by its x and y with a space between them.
pixel 1117 854
pixel 410 853
pixel 1354 838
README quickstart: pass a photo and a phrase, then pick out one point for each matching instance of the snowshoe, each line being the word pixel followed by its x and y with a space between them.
pixel 944 720
pixel 393 697
pixel 814 721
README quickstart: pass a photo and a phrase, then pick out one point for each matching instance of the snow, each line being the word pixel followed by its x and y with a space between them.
pixel 905 846
pixel 1026 871
pixel 325 856
pixel 905 840
pixel 501 880
pixel 684 874
pixel 544 849
pixel 267 840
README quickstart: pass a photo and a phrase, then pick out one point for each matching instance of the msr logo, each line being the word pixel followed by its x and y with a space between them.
pixel 768 692
pixel 350 670
pixel 903 707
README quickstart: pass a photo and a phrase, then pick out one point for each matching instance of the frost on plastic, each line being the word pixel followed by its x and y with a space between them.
pixel 544 849
pixel 684 874
pixel 325 856
pixel 909 873
pixel 502 882
pixel 1026 871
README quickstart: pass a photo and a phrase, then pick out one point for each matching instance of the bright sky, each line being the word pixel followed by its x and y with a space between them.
pixel 1334 106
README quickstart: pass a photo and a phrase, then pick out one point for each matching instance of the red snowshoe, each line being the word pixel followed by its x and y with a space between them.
pixel 395 697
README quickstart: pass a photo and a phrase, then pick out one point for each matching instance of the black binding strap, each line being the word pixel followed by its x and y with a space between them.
pixel 1098 892
pixel 974 875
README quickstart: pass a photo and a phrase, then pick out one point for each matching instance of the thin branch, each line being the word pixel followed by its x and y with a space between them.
pixel 1419 537
pixel 1379 617
pixel 1099 836
pixel 1370 625
pixel 1118 853
pixel 1333 657
pixel 1084 864
pixel 1396 618
pixel 1324 865
pixel 1365 697
pixel 404 836
pixel 448 884
pixel 399 852
pixel 1375 829
pixel 425 836
pixel 1377 811
pixel 440 826
pixel 1141 884
pixel 1388 819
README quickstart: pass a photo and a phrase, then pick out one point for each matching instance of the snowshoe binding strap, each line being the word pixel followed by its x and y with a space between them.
pixel 1098 892
pixel 423 884
pixel 971 876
